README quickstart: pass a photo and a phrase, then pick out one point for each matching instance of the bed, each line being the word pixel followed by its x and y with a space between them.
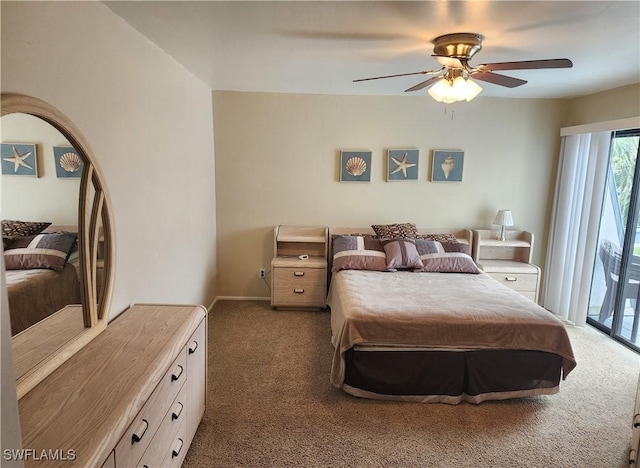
pixel 36 293
pixel 438 337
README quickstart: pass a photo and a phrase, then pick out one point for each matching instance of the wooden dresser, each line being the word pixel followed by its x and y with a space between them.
pixel 134 396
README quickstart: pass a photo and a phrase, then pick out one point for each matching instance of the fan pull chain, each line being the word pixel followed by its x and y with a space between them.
pixel 452 112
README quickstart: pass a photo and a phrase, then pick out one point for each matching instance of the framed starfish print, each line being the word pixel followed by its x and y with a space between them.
pixel 19 159
pixel 402 164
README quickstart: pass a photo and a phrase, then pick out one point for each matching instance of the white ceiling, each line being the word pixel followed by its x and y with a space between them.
pixel 320 47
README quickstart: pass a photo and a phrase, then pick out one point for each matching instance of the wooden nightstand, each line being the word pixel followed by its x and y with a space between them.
pixel 508 261
pixel 299 283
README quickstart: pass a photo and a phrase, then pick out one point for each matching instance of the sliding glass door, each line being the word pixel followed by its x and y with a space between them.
pixel 614 303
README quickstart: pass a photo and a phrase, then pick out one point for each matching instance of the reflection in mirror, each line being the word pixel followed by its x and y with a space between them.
pixel 56 239
pixel 39 284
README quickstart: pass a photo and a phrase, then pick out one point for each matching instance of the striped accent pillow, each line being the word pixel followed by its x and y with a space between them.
pixel 446 257
pixel 42 251
pixel 402 254
pixel 358 253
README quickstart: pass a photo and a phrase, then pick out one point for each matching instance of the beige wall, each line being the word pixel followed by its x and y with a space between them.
pixel 614 104
pixel 277 163
pixel 42 198
pixel 149 123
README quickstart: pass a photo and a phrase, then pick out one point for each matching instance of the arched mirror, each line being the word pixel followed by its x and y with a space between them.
pixel 57 238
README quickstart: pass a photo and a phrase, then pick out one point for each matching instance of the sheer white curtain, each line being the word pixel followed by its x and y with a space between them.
pixel 575 222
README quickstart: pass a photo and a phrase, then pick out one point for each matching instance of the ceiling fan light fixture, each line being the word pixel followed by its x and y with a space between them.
pixel 472 89
pixel 441 91
pixel 458 89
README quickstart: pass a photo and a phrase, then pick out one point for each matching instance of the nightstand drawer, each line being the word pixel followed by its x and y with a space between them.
pixel 521 282
pixel 299 286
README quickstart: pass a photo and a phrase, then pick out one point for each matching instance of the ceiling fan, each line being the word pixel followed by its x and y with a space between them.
pixel 452 82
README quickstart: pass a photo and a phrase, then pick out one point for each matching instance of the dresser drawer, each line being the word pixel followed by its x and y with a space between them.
pixel 519 281
pixel 177 449
pixel 162 442
pixel 139 434
pixel 299 287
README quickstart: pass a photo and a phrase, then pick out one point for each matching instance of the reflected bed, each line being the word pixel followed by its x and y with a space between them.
pixel 37 293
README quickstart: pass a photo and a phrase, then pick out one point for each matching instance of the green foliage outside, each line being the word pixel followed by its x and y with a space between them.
pixel 623 161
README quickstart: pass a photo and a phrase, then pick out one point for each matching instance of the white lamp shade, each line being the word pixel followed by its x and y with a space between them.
pixel 504 218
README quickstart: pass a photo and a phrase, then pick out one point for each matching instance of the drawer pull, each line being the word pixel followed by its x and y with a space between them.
pixel 193 347
pixel 140 431
pixel 177 448
pixel 298 273
pixel 636 420
pixel 175 376
pixel 298 290
pixel 511 278
pixel 177 411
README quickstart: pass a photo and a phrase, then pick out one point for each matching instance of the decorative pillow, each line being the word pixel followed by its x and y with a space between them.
pixel 396 231
pixel 358 253
pixel 40 251
pixel 13 229
pixel 438 237
pixel 446 257
pixel 402 254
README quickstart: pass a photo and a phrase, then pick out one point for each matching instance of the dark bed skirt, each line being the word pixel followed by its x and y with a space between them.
pixel 451 376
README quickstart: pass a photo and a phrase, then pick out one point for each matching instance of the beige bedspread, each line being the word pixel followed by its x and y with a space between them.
pixel 36 294
pixel 437 310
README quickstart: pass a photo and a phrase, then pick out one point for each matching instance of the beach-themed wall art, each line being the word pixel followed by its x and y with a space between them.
pixel 402 164
pixel 19 159
pixel 69 164
pixel 447 166
pixel 355 166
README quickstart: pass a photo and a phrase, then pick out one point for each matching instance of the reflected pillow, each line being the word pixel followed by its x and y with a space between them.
pixel 42 251
pixel 446 257
pixel 12 229
pixel 402 254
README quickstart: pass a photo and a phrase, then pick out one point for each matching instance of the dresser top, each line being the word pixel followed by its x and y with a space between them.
pixel 87 403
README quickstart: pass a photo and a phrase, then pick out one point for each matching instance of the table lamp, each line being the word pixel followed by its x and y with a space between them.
pixel 504 219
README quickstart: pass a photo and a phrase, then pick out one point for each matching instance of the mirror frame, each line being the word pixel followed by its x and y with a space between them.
pixel 93 207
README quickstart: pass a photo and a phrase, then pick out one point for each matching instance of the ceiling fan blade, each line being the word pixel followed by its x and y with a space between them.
pixel 401 74
pixel 424 84
pixel 501 80
pixel 527 65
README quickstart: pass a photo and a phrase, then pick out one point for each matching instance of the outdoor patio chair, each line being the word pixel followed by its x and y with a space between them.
pixel 611 257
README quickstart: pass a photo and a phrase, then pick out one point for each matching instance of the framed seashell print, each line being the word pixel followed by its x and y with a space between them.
pixel 402 164
pixel 447 166
pixel 355 166
pixel 19 159
pixel 69 164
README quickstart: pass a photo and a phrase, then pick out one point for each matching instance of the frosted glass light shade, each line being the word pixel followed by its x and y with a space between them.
pixel 458 89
